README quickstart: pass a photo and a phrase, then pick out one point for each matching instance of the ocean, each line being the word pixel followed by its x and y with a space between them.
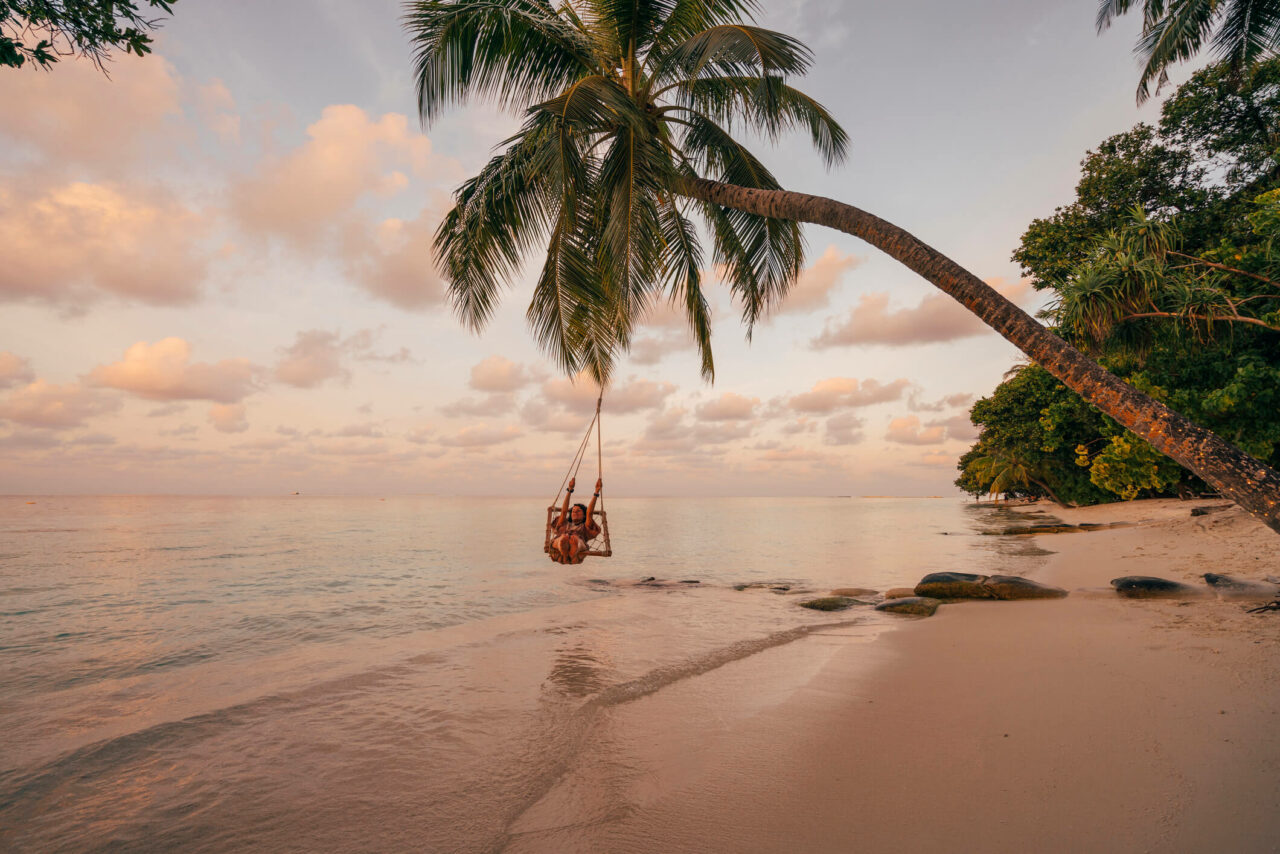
pixel 310 673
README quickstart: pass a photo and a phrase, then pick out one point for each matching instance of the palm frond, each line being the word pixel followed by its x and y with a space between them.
pixel 1250 31
pixel 734 49
pixel 498 215
pixel 509 51
pixel 682 257
pixel 1171 37
pixel 765 104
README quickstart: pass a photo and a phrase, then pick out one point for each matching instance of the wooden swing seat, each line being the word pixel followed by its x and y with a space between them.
pixel 601 539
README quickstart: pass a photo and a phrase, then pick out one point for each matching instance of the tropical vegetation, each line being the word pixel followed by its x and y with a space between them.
pixel 1241 33
pixel 1167 267
pixel 42 31
pixel 631 110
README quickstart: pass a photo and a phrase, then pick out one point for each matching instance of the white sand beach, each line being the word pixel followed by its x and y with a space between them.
pixel 1091 723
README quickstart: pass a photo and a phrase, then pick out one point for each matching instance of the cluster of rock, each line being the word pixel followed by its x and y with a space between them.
pixel 935 589
pixel 1223 586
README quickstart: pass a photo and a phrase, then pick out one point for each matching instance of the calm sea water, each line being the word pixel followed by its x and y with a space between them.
pixel 357 674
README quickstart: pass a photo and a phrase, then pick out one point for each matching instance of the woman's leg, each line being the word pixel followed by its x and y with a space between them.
pixel 575 545
pixel 558 549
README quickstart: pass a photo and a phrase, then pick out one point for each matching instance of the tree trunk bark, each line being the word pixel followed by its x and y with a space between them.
pixel 1250 483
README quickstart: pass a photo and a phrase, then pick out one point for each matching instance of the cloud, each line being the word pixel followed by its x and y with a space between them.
pixel 346 156
pixel 167 410
pixel 218 111
pixel 668 424
pixel 907 431
pixel 57 407
pixel 163 371
pixel 728 407
pixel 367 430
pixel 313 357
pixel 14 370
pixel 317 355
pixel 480 436
pixel 228 417
pixel 545 417
pixel 498 374
pixel 485 407
pixel 651 349
pixel 812 290
pixel 720 432
pixel 935 318
pixel 72 242
pixel 394 262
pixel 845 392
pixel 637 395
pixel 959 427
pixel 951 401
pixel 79 116
pixel 844 429
pixel 577 395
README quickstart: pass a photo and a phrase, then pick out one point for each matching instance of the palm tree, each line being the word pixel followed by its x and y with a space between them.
pixel 631 108
pixel 1004 472
pixel 1248 31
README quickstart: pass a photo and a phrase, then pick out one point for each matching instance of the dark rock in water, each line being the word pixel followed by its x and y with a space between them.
pixel 1010 587
pixel 1235 588
pixel 650 578
pixel 597 581
pixel 853 591
pixel 1148 587
pixel 690 581
pixel 919 606
pixel 829 603
pixel 964 585
pixel 763 585
pixel 1213 508
pixel 953 585
pixel 899 593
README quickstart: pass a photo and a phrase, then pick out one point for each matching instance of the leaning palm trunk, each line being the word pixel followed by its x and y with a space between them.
pixel 1252 484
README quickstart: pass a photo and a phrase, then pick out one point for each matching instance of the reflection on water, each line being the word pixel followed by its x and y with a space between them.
pixel 339 673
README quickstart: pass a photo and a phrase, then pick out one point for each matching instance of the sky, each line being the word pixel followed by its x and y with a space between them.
pixel 216 273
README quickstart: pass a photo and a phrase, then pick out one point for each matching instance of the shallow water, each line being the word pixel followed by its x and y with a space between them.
pixel 310 673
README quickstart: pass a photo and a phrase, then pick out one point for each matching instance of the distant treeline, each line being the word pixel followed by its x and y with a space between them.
pixel 1167 267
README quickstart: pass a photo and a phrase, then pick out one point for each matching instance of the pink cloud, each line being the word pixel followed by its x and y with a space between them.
pixel 728 407
pixel 78 115
pixel 844 429
pixel 346 156
pixel 951 401
pixel 163 371
pixel 14 370
pixel 935 318
pixel 72 242
pixel 228 417
pixel 498 374
pixel 218 111
pixel 636 395
pixel 487 406
pixel 58 407
pixel 314 356
pixel 907 431
pixel 813 289
pixel 393 261
pixel 480 436
pixel 840 392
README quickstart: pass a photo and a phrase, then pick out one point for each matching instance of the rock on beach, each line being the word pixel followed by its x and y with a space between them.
pixel 1150 587
pixel 917 606
pixel 965 585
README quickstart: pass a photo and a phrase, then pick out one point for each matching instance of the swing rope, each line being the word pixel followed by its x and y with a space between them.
pixel 582 450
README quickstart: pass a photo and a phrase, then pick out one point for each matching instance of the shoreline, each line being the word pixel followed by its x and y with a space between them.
pixel 1086 723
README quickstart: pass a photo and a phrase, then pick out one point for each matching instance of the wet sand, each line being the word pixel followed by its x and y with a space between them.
pixel 1092 723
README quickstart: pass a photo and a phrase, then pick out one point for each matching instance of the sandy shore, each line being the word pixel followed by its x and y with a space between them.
pixel 1090 723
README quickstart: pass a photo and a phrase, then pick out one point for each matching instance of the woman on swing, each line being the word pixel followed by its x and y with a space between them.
pixel 574 528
